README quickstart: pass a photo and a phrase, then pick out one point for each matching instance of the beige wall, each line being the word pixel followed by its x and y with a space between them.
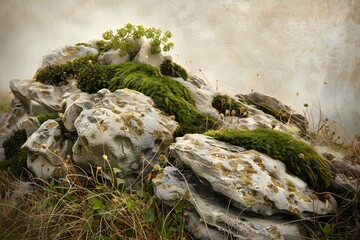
pixel 300 51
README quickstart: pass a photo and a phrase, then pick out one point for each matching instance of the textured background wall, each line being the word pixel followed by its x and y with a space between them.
pixel 300 51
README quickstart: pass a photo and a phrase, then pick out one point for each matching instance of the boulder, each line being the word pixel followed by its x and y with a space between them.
pixel 211 216
pixel 38 98
pixel 146 56
pixel 275 108
pixel 112 57
pixel 66 53
pixel 252 180
pixel 48 151
pixel 122 129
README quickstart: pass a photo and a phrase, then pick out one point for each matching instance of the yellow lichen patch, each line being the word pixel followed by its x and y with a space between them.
pixel 290 185
pixel 225 171
pixel 269 202
pixel 290 200
pixel 186 195
pixel 51 125
pixel 259 162
pixel 133 123
pixel 274 232
pixel 93 136
pixel 303 197
pixel 114 110
pixel 250 198
pixel 72 51
pixel 102 126
pixel 273 188
pixel 246 173
pixel 296 211
pixel 275 181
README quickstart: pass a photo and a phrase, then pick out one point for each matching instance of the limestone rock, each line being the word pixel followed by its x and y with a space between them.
pixel 66 53
pixel 253 181
pixel 46 152
pixel 38 98
pixel 145 56
pixel 123 125
pixel 112 57
pixel 214 217
pixel 275 108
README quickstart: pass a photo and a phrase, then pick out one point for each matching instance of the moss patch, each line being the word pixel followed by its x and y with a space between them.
pixel 169 68
pixel 15 160
pixel 224 103
pixel 299 158
pixel 45 116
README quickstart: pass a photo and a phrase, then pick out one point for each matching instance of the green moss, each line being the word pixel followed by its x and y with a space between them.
pixel 169 68
pixel 15 157
pixel 57 75
pixel 84 44
pixel 300 159
pixel 45 116
pixel 225 102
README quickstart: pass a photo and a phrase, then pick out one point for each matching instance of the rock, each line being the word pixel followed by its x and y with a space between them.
pixel 112 57
pixel 30 125
pixel 253 181
pixel 203 96
pixel 47 151
pixel 123 125
pixel 38 98
pixel 10 122
pixel 214 217
pixel 275 108
pixel 145 56
pixel 66 53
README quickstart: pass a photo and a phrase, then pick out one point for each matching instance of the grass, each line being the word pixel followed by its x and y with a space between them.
pixel 81 207
pixel 5 101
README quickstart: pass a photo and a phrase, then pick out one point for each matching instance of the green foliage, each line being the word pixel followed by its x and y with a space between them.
pixel 5 101
pixel 61 74
pixel 169 68
pixel 67 209
pixel 45 116
pixel 15 157
pixel 84 44
pixel 120 39
pixel 299 158
pixel 222 103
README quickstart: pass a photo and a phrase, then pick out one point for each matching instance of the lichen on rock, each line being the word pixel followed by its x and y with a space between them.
pixel 299 157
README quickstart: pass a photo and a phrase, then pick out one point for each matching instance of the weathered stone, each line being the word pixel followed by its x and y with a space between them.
pixel 46 153
pixel 146 56
pixel 214 217
pixel 253 181
pixel 30 125
pixel 112 57
pixel 275 108
pixel 123 125
pixel 66 53
pixel 38 98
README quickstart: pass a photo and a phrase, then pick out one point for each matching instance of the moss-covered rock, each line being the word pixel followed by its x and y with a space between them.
pixel 15 160
pixel 58 75
pixel 300 159
pixel 225 102
pixel 171 96
pixel 169 68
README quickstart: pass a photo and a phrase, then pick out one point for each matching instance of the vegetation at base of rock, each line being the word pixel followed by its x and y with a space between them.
pixel 299 158
pixel 15 157
pixel 169 68
pixel 5 101
pixel 84 44
pixel 45 116
pixel 120 40
pixel 224 103
pixel 69 209
pixel 58 75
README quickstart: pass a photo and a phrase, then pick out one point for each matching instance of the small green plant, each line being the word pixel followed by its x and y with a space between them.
pixel 300 159
pixel 5 101
pixel 15 161
pixel 121 39
pixel 169 68
pixel 229 106
pixel 45 116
